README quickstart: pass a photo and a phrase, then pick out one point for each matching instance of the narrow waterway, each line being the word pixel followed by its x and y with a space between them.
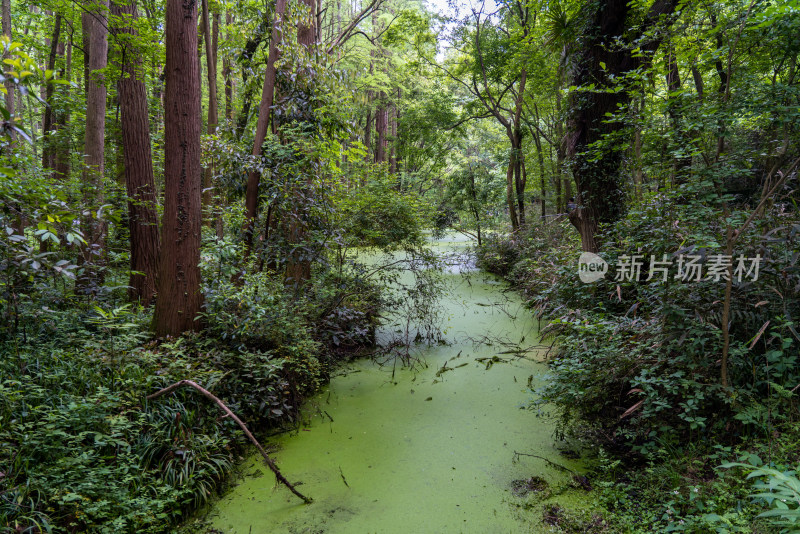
pixel 424 450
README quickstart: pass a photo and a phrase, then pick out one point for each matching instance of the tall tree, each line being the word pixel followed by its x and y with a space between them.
pixel 95 31
pixel 213 120
pixel 227 72
pixel 61 158
pixel 496 80
pixel 262 126
pixel 48 123
pixel 9 83
pixel 137 156
pixel 603 57
pixel 179 300
pixel 381 128
pixel 298 265
pixel 395 115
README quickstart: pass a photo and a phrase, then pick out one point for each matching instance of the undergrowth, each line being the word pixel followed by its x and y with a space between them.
pixel 636 370
pixel 82 450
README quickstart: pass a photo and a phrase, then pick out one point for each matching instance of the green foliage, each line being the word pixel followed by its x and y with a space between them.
pixel 498 255
pixel 82 450
pixel 682 491
pixel 780 490
pixel 260 315
pixel 378 215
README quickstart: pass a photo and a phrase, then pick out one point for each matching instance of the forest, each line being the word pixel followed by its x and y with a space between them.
pixel 518 265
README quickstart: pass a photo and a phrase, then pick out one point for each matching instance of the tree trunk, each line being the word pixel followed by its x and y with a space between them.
pixel 393 133
pixel 567 190
pixel 48 122
pixel 473 192
pixel 213 120
pixel 179 299
pixel 9 83
pixel 138 160
pixel 61 160
pixel 19 222
pixel 368 130
pixel 519 182
pixel 226 73
pixel 636 165
pixel 381 124
pixel 512 211
pixel 298 265
pixel 95 28
pixel 540 157
pixel 561 150
pixel 262 127
pixel 680 164
pixel 602 62
pixel 516 145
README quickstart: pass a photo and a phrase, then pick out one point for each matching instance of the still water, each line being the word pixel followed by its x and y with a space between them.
pixel 421 450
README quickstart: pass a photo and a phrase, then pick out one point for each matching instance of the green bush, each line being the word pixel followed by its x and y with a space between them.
pixel 498 254
pixel 82 450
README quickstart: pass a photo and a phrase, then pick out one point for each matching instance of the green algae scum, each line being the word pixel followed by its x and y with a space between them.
pixel 423 450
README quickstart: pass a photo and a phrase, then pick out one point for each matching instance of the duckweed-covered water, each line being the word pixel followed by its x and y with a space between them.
pixel 425 450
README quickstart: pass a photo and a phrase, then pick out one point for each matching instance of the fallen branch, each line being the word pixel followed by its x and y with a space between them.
pixel 239 422
pixel 580 479
pixel 554 464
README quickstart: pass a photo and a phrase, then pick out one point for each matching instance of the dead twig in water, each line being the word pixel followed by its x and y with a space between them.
pixel 554 464
pixel 342 475
pixel 229 413
pixel 579 479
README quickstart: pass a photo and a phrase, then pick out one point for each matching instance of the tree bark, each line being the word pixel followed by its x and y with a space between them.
pixel 516 143
pixel 95 27
pixel 602 61
pixel 48 122
pixel 262 126
pixel 368 131
pixel 137 159
pixel 9 97
pixel 393 133
pixel 680 164
pixel 61 160
pixel 298 265
pixel 381 124
pixel 226 73
pixel 561 150
pixel 213 119
pixel 512 211
pixel 179 299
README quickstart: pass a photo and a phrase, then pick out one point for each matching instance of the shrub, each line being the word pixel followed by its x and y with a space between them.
pixel 82 450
